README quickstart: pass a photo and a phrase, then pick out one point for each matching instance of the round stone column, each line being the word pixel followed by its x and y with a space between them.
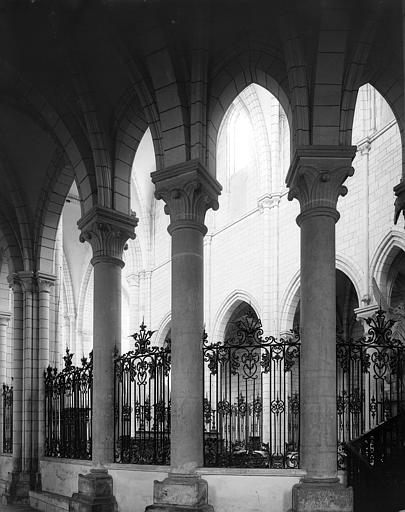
pixel 318 351
pixel 188 191
pixel 4 320
pixel 187 357
pixel 316 179
pixel 107 231
pixel 17 487
pixel 30 397
pixel 45 283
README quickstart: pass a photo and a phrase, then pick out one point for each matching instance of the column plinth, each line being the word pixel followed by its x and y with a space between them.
pixel 188 191
pixel 95 493
pixel 178 493
pixel 316 179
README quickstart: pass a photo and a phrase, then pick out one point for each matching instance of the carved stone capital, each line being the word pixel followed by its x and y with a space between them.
pixel 14 282
pixel 45 282
pixel 107 231
pixel 316 177
pixel 188 191
pixel 27 280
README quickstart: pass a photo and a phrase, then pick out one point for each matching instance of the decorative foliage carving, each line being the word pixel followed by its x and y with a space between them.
pixel 317 175
pixel 107 231
pixel 188 191
pixel 319 188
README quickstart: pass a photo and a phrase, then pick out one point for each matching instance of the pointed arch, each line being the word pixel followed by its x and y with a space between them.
pixel 385 253
pixel 164 328
pixel 228 305
pixel 231 76
pixel 289 302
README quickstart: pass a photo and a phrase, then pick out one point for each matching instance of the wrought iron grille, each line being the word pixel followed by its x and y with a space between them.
pixel 370 381
pixel 142 402
pixel 68 409
pixel 375 466
pixel 7 419
pixel 252 401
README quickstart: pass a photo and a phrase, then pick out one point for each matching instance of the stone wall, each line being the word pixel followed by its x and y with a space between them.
pixel 229 490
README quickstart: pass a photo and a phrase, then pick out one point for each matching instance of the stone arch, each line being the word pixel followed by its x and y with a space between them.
pixel 53 196
pixel 101 159
pixel 362 45
pixel 387 250
pixel 231 78
pixel 133 257
pixel 60 124
pixel 81 305
pixel 248 102
pixel 352 271
pixel 226 309
pixel 390 85
pixel 131 128
pixel 289 301
pixel 68 293
pixel 164 328
pixel 291 296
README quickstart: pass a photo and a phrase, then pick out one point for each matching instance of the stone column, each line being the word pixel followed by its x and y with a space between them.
pixel 188 191
pixel 134 321
pixel 4 320
pixel 316 179
pixel 58 346
pixel 208 320
pixel 107 231
pixel 45 283
pixel 17 487
pixel 30 398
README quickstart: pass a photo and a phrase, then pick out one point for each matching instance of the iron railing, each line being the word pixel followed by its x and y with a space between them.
pixel 375 467
pixel 7 419
pixel 142 402
pixel 252 403
pixel 370 387
pixel 68 409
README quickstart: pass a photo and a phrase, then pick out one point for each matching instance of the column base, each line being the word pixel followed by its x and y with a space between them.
pixel 17 487
pixel 180 493
pixel 95 493
pixel 321 497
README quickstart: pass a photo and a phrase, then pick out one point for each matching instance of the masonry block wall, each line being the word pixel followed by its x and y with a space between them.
pixel 236 259
pixel 253 243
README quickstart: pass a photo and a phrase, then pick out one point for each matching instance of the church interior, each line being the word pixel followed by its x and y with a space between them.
pixel 202 255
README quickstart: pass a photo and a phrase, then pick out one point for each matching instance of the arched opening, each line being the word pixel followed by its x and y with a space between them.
pixel 251 405
pixel 347 301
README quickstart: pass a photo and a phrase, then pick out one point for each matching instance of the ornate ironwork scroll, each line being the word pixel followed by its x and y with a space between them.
pixel 142 402
pixel 370 381
pixel 7 419
pixel 68 409
pixel 251 406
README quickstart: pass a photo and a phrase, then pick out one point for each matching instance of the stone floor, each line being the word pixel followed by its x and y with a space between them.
pixel 15 508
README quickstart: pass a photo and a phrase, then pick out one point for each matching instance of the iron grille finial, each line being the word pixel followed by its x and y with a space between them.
pixel 142 338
